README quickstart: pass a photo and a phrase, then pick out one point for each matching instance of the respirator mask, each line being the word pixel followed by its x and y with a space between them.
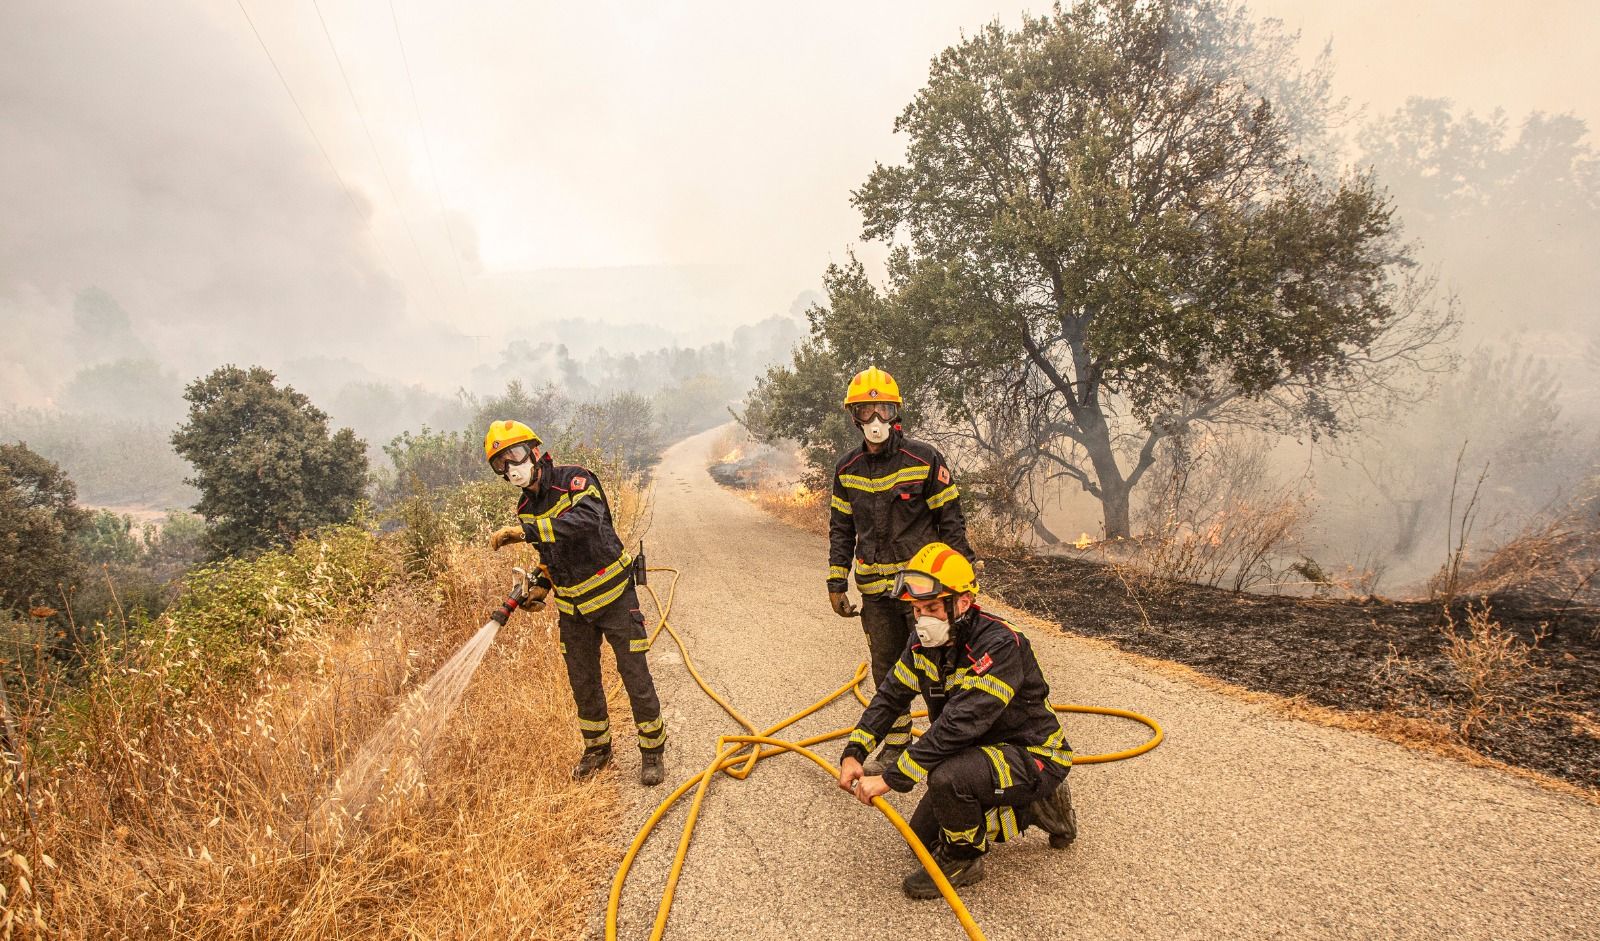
pixel 932 632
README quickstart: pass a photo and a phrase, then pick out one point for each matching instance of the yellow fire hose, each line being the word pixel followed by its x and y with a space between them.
pixel 729 761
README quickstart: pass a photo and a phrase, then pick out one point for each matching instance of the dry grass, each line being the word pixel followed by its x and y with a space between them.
pixel 192 810
pixel 794 505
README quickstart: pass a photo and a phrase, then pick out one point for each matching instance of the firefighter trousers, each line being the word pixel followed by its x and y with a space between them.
pixel 887 623
pixel 981 796
pixel 622 624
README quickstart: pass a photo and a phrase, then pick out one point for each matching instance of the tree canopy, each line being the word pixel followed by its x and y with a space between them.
pixel 266 464
pixel 1103 234
pixel 39 522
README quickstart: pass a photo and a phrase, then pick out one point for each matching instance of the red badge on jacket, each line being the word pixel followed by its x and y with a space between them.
pixel 578 483
pixel 982 663
pixel 944 475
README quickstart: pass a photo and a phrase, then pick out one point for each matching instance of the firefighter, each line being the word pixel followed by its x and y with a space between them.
pixel 994 757
pixel 891 496
pixel 566 516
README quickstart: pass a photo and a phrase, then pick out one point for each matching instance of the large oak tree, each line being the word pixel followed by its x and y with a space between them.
pixel 1105 232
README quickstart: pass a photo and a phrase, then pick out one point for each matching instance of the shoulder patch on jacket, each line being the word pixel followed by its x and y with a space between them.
pixel 944 474
pixel 579 482
pixel 982 664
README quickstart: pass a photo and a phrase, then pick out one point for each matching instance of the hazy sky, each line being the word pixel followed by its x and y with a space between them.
pixel 149 148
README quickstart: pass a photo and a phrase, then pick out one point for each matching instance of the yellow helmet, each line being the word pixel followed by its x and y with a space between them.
pixel 937 571
pixel 504 434
pixel 872 385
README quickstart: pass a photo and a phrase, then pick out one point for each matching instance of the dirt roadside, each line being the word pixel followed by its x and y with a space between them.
pixel 1244 824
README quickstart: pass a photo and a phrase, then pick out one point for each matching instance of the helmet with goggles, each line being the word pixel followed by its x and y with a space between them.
pixel 873 392
pixel 509 442
pixel 937 571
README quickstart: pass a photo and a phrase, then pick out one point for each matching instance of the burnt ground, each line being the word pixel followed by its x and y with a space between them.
pixel 1373 656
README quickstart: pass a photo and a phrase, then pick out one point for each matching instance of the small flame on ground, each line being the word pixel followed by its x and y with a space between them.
pixel 1082 542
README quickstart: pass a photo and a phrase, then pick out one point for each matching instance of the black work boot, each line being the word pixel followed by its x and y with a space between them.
pixel 1055 816
pixel 652 767
pixel 960 872
pixel 887 758
pixel 592 762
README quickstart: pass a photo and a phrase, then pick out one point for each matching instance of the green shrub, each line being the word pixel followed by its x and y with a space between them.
pixel 232 614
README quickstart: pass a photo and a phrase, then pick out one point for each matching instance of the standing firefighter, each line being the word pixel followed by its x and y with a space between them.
pixel 891 496
pixel 565 515
pixel 994 757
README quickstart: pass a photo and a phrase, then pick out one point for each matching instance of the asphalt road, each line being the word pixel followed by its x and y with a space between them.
pixel 1243 824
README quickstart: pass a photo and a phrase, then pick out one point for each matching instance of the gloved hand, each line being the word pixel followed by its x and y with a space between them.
pixel 842 605
pixel 506 536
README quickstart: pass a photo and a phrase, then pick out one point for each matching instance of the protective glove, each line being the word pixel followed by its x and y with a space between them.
pixel 506 536
pixel 842 605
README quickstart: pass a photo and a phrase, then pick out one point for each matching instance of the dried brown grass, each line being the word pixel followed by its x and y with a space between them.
pixel 796 505
pixel 198 818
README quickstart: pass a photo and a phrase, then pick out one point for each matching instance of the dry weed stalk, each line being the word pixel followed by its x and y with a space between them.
pixel 1481 667
pixel 1490 662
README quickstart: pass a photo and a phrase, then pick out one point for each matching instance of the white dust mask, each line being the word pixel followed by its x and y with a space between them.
pixel 876 431
pixel 932 632
pixel 520 474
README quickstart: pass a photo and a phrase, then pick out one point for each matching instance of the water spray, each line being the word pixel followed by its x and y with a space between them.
pixel 391 761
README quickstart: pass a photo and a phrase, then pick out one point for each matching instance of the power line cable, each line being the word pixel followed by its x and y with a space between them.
pixel 314 137
pixel 427 147
pixel 376 156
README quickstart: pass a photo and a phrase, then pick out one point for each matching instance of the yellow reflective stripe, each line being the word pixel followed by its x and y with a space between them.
pixel 910 768
pixel 596 580
pixel 926 666
pixel 905 475
pixel 994 686
pixel 879 568
pixel 841 504
pixel 898 739
pixel 565 607
pixel 969 837
pixel 903 674
pixel 651 741
pixel 594 725
pixel 1001 823
pixel 1062 757
pixel 654 725
pixel 563 504
pixel 563 646
pixel 596 742
pixel 863 738
pixel 1002 768
pixel 547 530
pixel 875 587
pixel 596 603
pixel 942 497
pixel 639 645
pixel 838 571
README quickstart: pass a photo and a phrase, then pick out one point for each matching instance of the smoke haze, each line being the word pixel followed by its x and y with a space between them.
pixel 594 180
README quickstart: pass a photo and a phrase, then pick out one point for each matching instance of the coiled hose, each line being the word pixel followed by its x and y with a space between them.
pixel 729 761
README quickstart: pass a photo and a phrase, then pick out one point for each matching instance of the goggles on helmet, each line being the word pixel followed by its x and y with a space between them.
pixel 918 586
pixel 515 454
pixel 864 412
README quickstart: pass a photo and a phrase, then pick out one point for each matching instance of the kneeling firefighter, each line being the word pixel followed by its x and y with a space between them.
pixel 566 516
pixel 892 495
pixel 994 757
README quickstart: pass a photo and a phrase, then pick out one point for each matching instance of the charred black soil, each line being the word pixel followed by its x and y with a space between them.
pixel 1373 656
